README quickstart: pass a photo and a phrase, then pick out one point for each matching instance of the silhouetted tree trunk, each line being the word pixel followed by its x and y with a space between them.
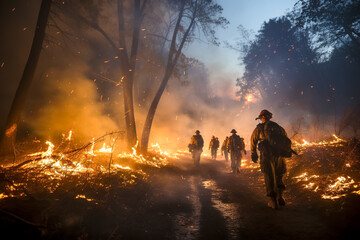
pixel 171 62
pixel 127 59
pixel 202 14
pixel 128 65
pixel 11 127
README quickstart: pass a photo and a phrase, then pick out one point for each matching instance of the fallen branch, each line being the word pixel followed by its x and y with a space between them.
pixel 90 143
pixel 65 153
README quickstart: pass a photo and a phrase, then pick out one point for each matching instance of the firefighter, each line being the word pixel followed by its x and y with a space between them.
pixel 196 147
pixel 214 146
pixel 224 150
pixel 272 166
pixel 235 146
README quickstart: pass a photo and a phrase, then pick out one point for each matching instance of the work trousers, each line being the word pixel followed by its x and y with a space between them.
pixel 226 155
pixel 274 169
pixel 213 153
pixel 235 156
pixel 196 153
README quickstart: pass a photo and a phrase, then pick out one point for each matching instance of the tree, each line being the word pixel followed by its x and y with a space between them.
pixel 192 15
pixel 278 64
pixel 332 22
pixel 14 116
pixel 128 64
pixel 130 17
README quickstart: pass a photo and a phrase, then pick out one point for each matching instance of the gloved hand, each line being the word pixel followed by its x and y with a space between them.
pixel 254 157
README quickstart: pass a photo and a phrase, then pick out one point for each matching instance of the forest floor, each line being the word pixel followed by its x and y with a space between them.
pixel 180 201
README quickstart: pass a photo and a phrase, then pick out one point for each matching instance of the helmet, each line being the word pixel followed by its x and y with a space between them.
pixel 233 131
pixel 264 113
pixel 197 131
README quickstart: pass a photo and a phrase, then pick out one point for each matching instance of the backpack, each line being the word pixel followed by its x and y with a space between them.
pixel 197 142
pixel 216 143
pixel 276 136
pixel 236 142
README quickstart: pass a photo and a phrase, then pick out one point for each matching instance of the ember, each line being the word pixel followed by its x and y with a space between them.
pixel 51 168
pixel 326 160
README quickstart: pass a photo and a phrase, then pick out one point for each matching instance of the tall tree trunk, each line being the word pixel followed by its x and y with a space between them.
pixel 11 127
pixel 172 60
pixel 151 113
pixel 128 68
pixel 129 112
pixel 128 65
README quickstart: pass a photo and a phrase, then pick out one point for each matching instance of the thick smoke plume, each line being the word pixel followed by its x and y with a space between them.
pixel 70 102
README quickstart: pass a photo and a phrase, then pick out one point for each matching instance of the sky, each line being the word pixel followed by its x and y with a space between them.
pixel 224 62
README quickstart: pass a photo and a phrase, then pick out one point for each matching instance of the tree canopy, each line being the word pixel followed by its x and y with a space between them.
pixel 331 22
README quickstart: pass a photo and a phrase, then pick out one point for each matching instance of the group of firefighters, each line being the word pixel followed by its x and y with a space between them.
pixel 272 164
pixel 234 145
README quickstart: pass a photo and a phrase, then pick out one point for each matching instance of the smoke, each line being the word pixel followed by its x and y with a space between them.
pixel 70 101
pixel 203 104
pixel 65 97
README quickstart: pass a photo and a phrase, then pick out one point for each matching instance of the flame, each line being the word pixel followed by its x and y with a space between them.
pixel 52 166
pixel 305 177
pixel 156 148
pixel 139 158
pixel 56 167
pixel 105 149
pixel 49 151
pixel 84 197
pixel 47 154
pixel 334 190
pixel 2 195
pixel 336 141
pixel 121 167
pixel 91 151
pixel 69 137
pixel 341 184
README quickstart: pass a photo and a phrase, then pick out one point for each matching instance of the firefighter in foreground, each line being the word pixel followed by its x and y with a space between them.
pixel 235 146
pixel 214 146
pixel 196 147
pixel 273 145
pixel 224 150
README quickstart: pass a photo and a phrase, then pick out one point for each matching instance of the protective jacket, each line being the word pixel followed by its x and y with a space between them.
pixel 272 166
pixel 214 143
pixel 197 142
pixel 236 143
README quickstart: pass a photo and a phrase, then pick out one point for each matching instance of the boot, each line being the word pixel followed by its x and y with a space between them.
pixel 281 201
pixel 273 203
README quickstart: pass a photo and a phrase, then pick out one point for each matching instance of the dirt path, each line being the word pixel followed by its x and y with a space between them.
pixel 209 202
pixel 180 201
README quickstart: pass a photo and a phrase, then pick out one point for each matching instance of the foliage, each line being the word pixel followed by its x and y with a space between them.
pixel 331 22
pixel 273 63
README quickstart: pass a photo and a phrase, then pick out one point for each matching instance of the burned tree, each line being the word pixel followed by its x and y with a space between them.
pixel 192 15
pixel 130 17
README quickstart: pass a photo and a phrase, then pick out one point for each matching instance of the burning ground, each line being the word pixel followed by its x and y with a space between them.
pixel 96 191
